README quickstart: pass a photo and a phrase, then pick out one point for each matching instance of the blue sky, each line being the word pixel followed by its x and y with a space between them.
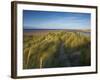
pixel 55 20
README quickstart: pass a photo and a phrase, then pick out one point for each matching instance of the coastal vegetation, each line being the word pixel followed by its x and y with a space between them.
pixel 56 49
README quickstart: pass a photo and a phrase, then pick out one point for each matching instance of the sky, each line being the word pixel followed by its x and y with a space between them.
pixel 55 20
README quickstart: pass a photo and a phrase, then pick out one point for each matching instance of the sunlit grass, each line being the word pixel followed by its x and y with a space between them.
pixel 42 51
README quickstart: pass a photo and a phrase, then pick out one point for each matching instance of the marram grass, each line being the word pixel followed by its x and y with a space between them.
pixel 56 49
